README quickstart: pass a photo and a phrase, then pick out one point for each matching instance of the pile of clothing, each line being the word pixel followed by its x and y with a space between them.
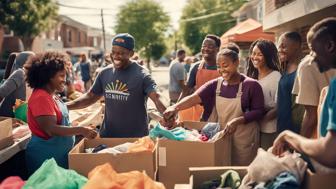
pixel 267 171
pixel 51 176
pixel 141 145
pixel 209 133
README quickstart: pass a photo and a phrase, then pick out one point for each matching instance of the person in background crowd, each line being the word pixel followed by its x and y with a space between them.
pixel 85 70
pixel 233 100
pixel 14 87
pixel 137 59
pixel 9 65
pixel 125 86
pixel 308 95
pixel 187 63
pixel 322 41
pixel 264 65
pixel 176 76
pixel 48 116
pixel 288 112
pixel 203 71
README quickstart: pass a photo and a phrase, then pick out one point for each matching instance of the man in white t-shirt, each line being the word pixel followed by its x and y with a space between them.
pixel 176 76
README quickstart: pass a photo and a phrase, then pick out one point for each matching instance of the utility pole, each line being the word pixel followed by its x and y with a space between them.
pixel 103 28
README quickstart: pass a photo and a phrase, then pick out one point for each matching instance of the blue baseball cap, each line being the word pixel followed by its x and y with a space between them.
pixel 124 40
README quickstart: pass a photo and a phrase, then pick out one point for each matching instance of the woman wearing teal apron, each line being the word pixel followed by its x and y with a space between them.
pixel 48 116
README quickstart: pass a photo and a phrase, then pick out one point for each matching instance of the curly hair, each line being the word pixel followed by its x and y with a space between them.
pixel 270 53
pixel 44 66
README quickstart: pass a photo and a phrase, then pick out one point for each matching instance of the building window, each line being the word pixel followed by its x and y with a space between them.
pixel 95 42
pixel 79 37
pixel 281 3
pixel 69 35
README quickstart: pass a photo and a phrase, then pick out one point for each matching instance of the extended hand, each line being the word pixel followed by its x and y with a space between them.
pixel 231 126
pixel 280 145
pixel 89 132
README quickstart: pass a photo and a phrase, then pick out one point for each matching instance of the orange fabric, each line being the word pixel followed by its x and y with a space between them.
pixel 105 177
pixel 194 113
pixel 247 31
pixel 142 144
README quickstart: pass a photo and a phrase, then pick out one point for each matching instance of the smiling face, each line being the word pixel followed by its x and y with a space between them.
pixel 209 49
pixel 226 67
pixel 257 57
pixel 57 82
pixel 120 56
pixel 287 49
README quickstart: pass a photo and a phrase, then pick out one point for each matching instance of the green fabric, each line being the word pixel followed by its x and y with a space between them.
pixel 51 176
pixel 177 133
pixel 210 184
pixel 230 179
pixel 21 112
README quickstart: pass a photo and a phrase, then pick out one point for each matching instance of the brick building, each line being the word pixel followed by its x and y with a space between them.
pixel 295 15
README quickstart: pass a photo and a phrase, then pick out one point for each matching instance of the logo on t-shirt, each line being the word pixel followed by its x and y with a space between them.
pixel 117 91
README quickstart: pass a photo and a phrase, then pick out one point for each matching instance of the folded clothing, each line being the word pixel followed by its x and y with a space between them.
pixel 20 132
pixel 105 177
pixel 210 129
pixel 121 148
pixel 141 145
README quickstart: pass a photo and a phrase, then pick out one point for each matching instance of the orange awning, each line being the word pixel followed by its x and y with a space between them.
pixel 247 31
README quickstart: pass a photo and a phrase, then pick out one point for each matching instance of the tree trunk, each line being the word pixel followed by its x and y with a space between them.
pixel 27 43
pixel 148 57
pixel 148 64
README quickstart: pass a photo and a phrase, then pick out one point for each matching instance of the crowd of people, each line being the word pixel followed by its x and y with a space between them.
pixel 276 105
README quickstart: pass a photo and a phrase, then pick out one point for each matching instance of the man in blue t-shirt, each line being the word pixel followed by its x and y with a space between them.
pixel 125 87
pixel 322 41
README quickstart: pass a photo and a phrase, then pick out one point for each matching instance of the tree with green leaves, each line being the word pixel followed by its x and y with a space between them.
pixel 147 22
pixel 202 17
pixel 28 18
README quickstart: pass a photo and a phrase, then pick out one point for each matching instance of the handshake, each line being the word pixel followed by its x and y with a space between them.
pixel 168 119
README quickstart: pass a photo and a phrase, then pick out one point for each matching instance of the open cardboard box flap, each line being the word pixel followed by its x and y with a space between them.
pixel 83 162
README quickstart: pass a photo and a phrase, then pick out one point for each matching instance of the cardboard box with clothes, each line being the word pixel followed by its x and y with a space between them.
pixel 6 136
pixel 83 162
pixel 175 157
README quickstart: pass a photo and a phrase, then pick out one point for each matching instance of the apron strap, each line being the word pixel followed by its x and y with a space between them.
pixel 201 65
pixel 219 84
pixel 240 90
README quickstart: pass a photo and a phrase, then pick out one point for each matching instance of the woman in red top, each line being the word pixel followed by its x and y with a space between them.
pixel 48 116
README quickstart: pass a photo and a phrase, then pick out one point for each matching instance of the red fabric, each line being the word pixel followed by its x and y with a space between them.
pixel 247 31
pixel 41 103
pixel 12 183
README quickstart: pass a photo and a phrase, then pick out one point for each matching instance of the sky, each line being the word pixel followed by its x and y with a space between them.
pixel 93 19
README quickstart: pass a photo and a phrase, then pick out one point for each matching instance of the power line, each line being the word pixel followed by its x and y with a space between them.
pixel 89 14
pixel 79 7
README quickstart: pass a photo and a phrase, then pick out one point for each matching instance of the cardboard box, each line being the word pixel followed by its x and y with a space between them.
pixel 6 136
pixel 201 174
pixel 175 157
pixel 322 181
pixel 83 162
pixel 311 180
